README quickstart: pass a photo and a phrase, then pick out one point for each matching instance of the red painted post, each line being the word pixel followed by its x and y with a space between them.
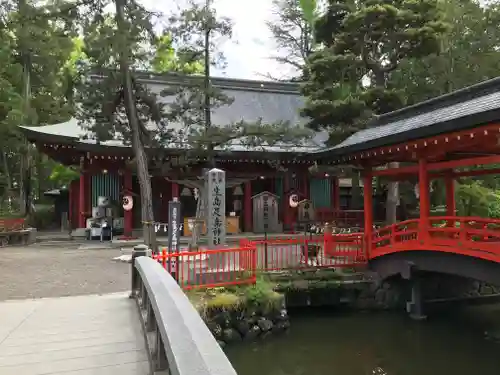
pixel 287 218
pixel 368 203
pixel 81 195
pixel 128 215
pixel 335 195
pixel 425 205
pixel 175 190
pixel 450 194
pixel 71 209
pixel 247 207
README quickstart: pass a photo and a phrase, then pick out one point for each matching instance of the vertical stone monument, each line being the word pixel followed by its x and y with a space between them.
pixel 216 213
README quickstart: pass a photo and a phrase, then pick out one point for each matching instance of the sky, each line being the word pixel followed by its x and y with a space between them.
pixel 248 54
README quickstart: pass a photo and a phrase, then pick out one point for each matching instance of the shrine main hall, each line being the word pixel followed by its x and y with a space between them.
pixel 105 167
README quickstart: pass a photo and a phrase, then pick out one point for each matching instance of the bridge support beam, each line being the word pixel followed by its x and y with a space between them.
pixel 415 306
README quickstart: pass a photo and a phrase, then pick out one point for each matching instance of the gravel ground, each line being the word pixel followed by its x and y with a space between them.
pixel 61 270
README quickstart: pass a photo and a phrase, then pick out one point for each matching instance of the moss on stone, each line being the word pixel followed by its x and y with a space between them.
pixel 260 295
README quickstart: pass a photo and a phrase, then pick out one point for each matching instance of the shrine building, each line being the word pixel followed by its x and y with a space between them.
pixel 106 170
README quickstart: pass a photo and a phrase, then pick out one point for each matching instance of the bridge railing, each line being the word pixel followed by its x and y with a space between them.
pixel 474 236
pixel 178 340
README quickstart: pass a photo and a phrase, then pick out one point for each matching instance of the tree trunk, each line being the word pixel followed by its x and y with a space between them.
pixel 137 145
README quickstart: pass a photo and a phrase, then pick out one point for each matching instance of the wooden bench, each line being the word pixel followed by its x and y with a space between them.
pixel 12 230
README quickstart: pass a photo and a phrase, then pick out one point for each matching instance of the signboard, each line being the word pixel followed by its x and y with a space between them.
pixel 305 211
pixel 216 214
pixel 174 225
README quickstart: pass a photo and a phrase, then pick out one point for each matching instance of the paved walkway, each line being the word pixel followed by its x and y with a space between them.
pixel 85 335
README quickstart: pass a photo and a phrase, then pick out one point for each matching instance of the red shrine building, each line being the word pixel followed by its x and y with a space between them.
pixel 106 170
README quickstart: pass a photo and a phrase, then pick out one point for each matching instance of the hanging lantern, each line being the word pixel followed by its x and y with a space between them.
pixel 128 203
pixel 186 192
pixel 238 191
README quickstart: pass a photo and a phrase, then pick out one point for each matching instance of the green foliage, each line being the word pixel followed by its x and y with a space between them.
pixel 167 59
pixel 293 34
pixel 476 200
pixel 469 53
pixel 62 175
pixel 364 42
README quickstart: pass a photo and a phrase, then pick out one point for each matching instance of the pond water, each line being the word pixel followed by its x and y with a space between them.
pixel 327 343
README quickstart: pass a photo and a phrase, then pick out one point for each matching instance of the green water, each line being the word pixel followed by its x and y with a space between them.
pixel 325 343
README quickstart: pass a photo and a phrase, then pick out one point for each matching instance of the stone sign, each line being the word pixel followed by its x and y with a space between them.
pixel 174 225
pixel 265 212
pixel 216 213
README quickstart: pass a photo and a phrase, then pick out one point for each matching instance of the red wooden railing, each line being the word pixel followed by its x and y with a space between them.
pixel 211 268
pixel 472 236
pixel 240 264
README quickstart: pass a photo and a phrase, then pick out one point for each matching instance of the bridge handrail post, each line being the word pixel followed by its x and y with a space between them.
pixel 178 340
pixel 138 251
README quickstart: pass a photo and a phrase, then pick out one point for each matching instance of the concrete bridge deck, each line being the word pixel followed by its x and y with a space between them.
pixel 84 335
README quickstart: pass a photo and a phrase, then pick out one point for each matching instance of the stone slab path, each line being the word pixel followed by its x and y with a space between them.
pixel 84 335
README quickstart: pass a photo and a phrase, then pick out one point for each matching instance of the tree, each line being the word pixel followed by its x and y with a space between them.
pixel 200 33
pixel 293 34
pixel 469 53
pixel 168 59
pixel 34 50
pixel 349 80
pixel 113 104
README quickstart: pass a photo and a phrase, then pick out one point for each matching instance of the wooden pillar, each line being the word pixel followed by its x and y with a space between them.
pixel 175 190
pixel 247 207
pixel 425 205
pixel 335 193
pixel 81 195
pixel 305 182
pixel 71 208
pixel 449 182
pixel 368 212
pixel 128 215
pixel 287 218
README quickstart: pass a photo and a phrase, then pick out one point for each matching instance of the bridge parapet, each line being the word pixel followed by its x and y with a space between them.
pixel 178 340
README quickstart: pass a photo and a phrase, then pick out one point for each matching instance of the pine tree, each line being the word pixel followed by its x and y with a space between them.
pixel 113 105
pixel 364 42
pixel 200 33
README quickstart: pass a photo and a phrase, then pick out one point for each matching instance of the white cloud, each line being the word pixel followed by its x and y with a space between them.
pixel 248 54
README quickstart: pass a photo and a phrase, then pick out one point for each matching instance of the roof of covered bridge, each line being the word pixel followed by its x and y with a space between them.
pixel 457 111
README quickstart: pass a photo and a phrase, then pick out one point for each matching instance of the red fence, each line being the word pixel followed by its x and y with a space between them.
pixel 239 264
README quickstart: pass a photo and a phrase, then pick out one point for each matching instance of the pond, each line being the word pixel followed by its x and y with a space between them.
pixel 327 343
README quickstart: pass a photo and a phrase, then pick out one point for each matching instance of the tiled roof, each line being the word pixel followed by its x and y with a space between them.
pixel 271 102
pixel 469 107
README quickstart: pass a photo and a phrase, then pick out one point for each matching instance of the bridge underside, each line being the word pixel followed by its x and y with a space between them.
pixel 84 335
pixel 401 263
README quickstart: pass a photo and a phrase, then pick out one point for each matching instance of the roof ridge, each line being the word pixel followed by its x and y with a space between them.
pixel 446 100
pixel 220 82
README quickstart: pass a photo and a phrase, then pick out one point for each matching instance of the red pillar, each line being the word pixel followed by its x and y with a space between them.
pixel 450 194
pixel 368 211
pixel 287 217
pixel 71 209
pixel 425 204
pixel 247 207
pixel 175 190
pixel 81 195
pixel 128 215
pixel 335 193
pixel 305 182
